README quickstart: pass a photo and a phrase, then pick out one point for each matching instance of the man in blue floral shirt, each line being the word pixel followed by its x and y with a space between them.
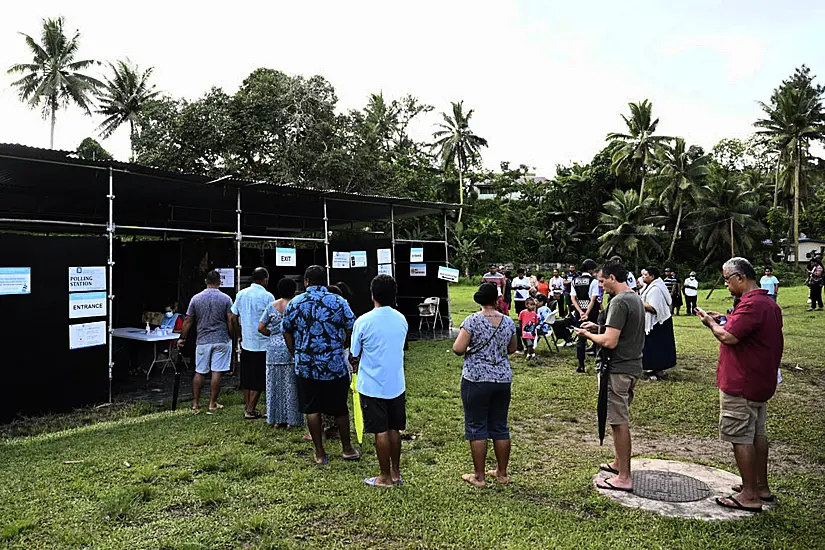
pixel 317 328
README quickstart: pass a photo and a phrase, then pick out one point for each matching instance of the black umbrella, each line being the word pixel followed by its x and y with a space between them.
pixel 602 368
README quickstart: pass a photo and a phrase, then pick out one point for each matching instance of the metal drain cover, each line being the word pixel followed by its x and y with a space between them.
pixel 668 486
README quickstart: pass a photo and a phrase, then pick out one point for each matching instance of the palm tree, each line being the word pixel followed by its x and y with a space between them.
pixel 726 217
pixel 794 118
pixel 633 152
pixel 51 80
pixel 680 169
pixel 457 143
pixel 629 228
pixel 122 98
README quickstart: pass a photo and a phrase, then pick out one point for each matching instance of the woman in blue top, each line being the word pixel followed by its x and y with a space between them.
pixel 282 409
pixel 485 340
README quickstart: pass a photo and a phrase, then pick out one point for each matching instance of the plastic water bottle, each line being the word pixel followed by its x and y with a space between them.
pixel 148 329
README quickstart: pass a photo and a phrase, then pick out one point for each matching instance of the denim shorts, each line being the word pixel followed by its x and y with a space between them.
pixel 213 357
pixel 486 405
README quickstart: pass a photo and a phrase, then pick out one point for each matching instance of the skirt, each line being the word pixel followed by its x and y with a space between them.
pixel 660 347
pixel 282 405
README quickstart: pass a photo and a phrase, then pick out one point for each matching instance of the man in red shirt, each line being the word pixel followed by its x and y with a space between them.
pixel 749 358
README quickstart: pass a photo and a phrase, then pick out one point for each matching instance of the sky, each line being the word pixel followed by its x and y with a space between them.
pixel 547 79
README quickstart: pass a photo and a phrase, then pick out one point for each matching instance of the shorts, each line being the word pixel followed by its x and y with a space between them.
pixel 213 357
pixel 619 397
pixel 382 415
pixel 323 396
pixel 486 406
pixel 740 420
pixel 253 370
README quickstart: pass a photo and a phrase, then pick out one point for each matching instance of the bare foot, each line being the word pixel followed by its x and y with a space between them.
pixel 616 484
pixel 473 480
pixel 504 480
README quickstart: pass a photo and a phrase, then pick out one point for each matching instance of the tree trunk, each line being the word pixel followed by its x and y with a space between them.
pixel 732 253
pixel 675 233
pixel 796 207
pixel 776 185
pixel 51 135
pixel 642 187
pixel 460 192
pixel 707 258
pixel 132 140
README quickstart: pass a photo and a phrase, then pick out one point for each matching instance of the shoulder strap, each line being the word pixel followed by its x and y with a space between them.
pixel 487 343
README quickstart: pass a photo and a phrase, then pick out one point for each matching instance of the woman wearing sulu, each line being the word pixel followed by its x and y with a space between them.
pixel 660 343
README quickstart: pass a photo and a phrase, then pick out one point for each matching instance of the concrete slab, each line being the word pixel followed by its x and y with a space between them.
pixel 719 482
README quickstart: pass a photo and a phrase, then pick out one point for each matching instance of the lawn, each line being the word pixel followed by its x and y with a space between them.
pixel 174 480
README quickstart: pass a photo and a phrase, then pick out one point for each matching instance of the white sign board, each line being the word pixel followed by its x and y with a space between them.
pixel 285 257
pixel 87 304
pixel 384 255
pixel 15 280
pixel 86 335
pixel 385 269
pixel 82 279
pixel 418 270
pixel 227 277
pixel 448 274
pixel 416 254
pixel 358 258
pixel 340 260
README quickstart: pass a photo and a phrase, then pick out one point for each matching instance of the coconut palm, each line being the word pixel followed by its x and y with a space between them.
pixel 634 151
pixel 794 119
pixel 123 96
pixel 456 143
pixel 630 230
pixel 51 80
pixel 679 169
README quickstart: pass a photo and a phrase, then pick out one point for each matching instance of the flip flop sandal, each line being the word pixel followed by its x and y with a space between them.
pixel 738 489
pixel 371 482
pixel 324 461
pixel 252 416
pixel 353 458
pixel 610 487
pixel 609 469
pixel 399 482
pixel 736 505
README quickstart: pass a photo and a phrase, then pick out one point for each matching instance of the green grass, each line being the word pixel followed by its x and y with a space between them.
pixel 175 480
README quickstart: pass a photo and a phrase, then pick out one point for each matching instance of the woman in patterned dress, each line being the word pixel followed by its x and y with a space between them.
pixel 282 409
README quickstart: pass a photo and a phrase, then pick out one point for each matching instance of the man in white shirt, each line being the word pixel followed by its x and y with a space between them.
pixel 556 286
pixel 521 291
pixel 691 289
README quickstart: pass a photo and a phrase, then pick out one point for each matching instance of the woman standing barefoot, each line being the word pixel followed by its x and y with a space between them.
pixel 485 340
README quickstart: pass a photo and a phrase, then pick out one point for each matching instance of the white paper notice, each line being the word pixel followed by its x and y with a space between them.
pixel 384 255
pixel 418 270
pixel 87 304
pixel 86 335
pixel 285 257
pixel 340 260
pixel 15 280
pixel 448 274
pixel 358 258
pixel 416 254
pixel 82 279
pixel 385 269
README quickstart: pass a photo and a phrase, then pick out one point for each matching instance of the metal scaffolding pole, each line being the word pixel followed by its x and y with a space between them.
pixel 326 240
pixel 447 263
pixel 392 237
pixel 238 237
pixel 110 230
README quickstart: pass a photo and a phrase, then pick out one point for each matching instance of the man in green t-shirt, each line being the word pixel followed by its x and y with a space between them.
pixel 624 335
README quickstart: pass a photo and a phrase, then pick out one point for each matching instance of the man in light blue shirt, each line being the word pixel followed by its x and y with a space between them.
pixel 247 310
pixel 377 352
pixel 770 283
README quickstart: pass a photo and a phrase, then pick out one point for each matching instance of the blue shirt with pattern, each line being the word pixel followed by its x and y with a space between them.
pixel 318 321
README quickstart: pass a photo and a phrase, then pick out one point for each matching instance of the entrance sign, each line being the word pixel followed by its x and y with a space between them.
pixel 385 269
pixel 359 258
pixel 87 304
pixel 384 256
pixel 340 260
pixel 82 279
pixel 285 257
pixel 15 280
pixel 448 274
pixel 416 254
pixel 418 270
pixel 86 335
pixel 227 277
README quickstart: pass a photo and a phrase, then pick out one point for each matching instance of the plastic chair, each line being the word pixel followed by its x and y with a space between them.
pixel 428 311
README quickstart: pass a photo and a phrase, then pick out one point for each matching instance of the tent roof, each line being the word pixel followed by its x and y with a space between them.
pixel 46 184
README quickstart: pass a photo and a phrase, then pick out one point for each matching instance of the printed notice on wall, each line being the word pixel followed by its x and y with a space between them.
pixel 418 270
pixel 285 257
pixel 416 254
pixel 384 255
pixel 385 269
pixel 86 335
pixel 15 280
pixel 358 258
pixel 340 260
pixel 448 274
pixel 82 279
pixel 227 277
pixel 87 304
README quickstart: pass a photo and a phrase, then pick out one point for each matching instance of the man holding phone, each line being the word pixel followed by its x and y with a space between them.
pixel 749 357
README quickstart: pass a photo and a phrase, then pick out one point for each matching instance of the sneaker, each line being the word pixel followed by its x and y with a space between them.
pixel 580 370
pixel 810 309
pixel 569 344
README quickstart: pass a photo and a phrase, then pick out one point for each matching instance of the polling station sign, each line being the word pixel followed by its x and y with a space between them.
pixel 87 304
pixel 84 279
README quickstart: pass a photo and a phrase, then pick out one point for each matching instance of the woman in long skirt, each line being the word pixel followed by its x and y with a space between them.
pixel 282 409
pixel 660 343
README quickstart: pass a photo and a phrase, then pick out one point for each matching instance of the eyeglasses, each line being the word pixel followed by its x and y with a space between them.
pixel 731 275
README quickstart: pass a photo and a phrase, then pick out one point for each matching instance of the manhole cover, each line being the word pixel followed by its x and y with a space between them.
pixel 668 486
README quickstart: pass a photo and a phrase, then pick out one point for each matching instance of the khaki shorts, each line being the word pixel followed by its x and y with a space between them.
pixel 740 420
pixel 619 397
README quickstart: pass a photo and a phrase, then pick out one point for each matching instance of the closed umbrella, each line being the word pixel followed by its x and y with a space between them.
pixel 356 410
pixel 603 368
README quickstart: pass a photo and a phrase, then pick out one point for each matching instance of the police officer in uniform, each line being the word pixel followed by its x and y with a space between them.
pixel 584 292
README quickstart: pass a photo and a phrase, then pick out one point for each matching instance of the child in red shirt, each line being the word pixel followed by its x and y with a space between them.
pixel 528 320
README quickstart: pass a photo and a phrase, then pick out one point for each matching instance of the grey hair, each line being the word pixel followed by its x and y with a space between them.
pixel 742 266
